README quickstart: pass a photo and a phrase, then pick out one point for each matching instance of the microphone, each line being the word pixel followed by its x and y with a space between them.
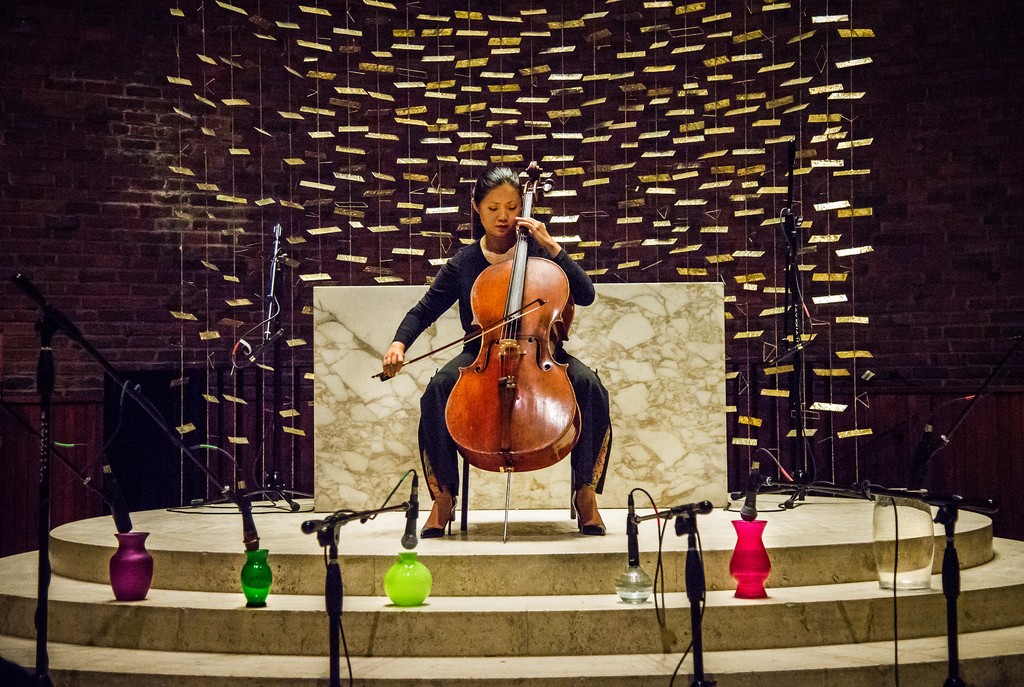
pixel 633 585
pixel 30 290
pixel 749 510
pixel 342 516
pixel 698 508
pixel 115 498
pixel 632 546
pixel 58 318
pixel 252 353
pixel 919 462
pixel 409 539
pixel 250 537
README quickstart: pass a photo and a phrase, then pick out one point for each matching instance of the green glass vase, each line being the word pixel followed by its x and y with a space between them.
pixel 256 578
pixel 408 581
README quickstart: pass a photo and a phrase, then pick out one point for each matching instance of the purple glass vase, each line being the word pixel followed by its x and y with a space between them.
pixel 750 565
pixel 131 567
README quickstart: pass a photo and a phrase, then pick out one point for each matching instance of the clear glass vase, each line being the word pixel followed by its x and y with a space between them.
pixel 904 560
pixel 634 585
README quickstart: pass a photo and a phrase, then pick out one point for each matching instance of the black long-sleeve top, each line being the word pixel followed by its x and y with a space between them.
pixel 454 283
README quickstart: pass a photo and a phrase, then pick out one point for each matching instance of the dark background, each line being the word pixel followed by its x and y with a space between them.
pixel 90 212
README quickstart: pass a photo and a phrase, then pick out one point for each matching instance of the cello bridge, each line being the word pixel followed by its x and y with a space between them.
pixel 507 346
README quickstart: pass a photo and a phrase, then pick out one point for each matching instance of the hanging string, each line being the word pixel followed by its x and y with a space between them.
pixel 181 265
pixel 853 326
pixel 694 86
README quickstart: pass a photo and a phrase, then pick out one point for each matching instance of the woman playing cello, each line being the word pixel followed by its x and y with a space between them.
pixel 497 205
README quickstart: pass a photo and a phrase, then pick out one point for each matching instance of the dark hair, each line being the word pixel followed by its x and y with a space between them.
pixel 485 183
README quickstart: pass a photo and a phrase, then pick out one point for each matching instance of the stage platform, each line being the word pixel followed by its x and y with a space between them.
pixel 538 610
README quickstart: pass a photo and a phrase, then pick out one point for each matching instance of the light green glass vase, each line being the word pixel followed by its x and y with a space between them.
pixel 256 578
pixel 408 581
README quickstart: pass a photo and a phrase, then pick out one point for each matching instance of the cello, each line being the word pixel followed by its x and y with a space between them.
pixel 513 409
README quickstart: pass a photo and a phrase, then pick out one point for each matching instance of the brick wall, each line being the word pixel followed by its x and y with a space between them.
pixel 87 207
pixel 943 287
pixel 82 212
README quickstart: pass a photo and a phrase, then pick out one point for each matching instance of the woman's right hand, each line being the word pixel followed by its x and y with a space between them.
pixel 394 358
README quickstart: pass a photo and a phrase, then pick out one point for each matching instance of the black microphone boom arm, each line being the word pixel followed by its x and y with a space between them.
pixel 237 496
pixel 698 508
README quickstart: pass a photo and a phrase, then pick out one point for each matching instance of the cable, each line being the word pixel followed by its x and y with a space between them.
pixel 895 602
pixel 659 579
pixel 658 569
pixel 408 472
pixel 120 420
pixel 235 364
pixel 777 463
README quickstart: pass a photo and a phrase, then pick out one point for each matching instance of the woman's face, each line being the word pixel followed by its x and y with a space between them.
pixel 498 212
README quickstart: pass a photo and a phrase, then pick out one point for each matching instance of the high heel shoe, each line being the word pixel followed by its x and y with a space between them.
pixel 433 531
pixel 588 518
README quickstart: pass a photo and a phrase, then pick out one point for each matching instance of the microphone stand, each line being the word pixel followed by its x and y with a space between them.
pixel 57 319
pixel 799 491
pixel 327 535
pixel 923 455
pixel 794 307
pixel 79 474
pixel 947 517
pixel 686 523
pixel 120 517
pixel 46 327
pixel 948 513
pixel 272 318
pixel 52 320
pixel 272 331
pixel 977 396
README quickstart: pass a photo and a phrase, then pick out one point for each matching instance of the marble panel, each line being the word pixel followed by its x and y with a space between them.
pixel 659 348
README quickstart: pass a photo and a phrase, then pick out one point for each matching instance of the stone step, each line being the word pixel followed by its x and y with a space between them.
pixel 992 597
pixel 823 541
pixel 993 658
pixel 538 611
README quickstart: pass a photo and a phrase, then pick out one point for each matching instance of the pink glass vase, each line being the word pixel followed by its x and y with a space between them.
pixel 131 567
pixel 750 565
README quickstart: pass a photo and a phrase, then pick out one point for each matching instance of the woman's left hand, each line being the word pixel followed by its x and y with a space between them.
pixel 540 233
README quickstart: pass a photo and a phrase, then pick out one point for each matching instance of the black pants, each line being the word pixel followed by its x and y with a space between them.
pixel 589 457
